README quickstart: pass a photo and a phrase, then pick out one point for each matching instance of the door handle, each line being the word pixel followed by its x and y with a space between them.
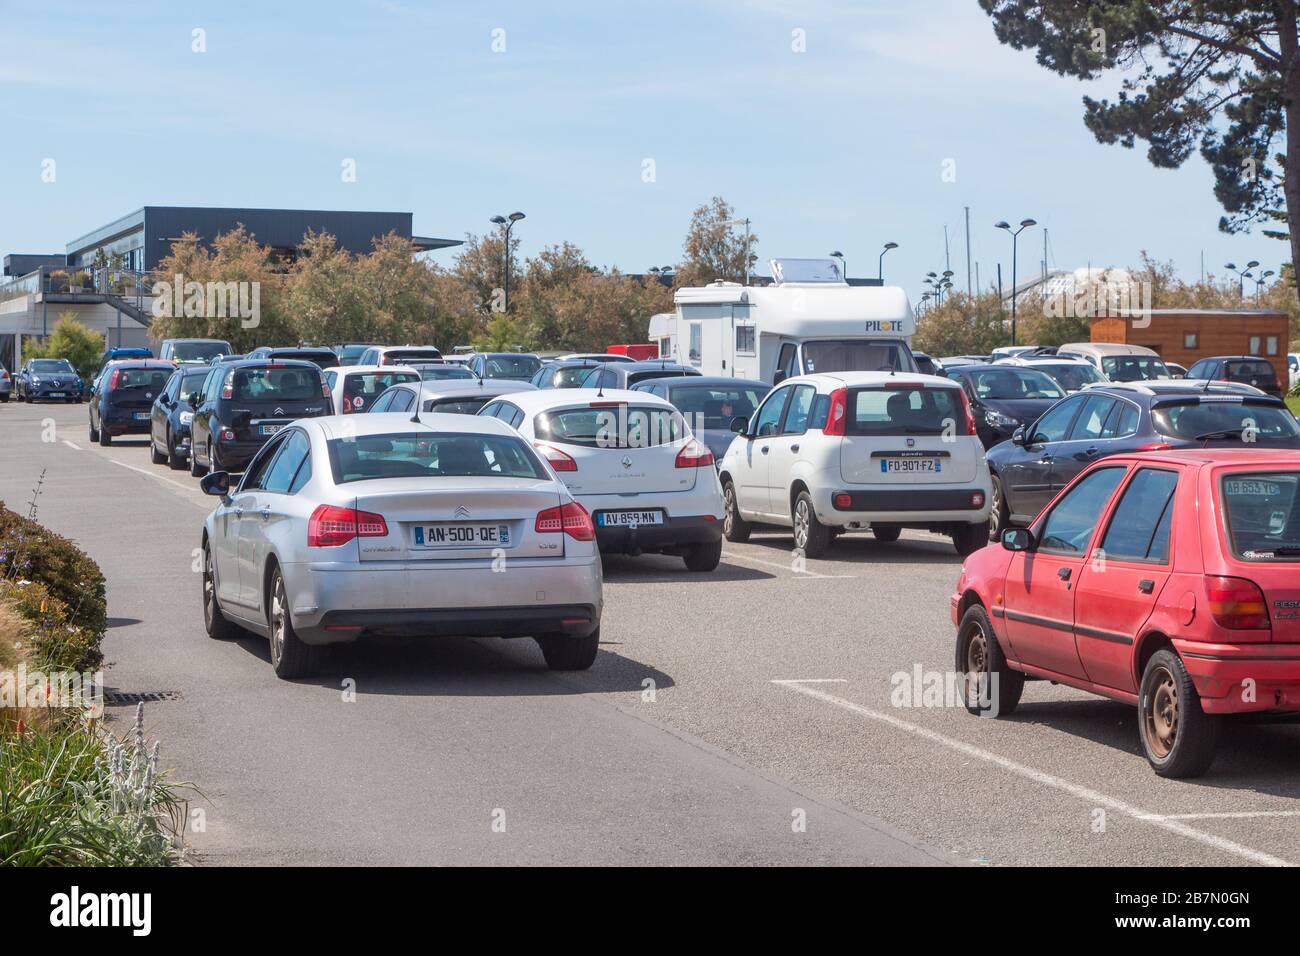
pixel 1063 573
pixel 794 447
pixel 1047 459
pixel 764 449
pixel 1146 585
pixel 239 512
pixel 266 514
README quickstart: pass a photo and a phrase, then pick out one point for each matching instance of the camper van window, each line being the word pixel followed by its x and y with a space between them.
pixel 745 340
pixel 856 355
pixel 695 343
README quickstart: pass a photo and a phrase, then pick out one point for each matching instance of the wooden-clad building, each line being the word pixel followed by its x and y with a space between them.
pixel 1186 336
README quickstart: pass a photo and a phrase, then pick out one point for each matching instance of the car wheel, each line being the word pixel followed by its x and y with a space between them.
pixel 175 460
pixel 989 680
pixel 290 657
pixel 564 652
pixel 1178 737
pixel 999 514
pixel 196 470
pixel 156 456
pixel 4 399
pixel 105 438
pixel 94 432
pixel 703 557
pixel 969 538
pixel 886 532
pixel 734 527
pixel 810 536
pixel 215 623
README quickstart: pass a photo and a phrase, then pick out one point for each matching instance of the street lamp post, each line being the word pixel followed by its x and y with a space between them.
pixel 745 223
pixel 1015 234
pixel 1241 274
pixel 1259 283
pixel 880 263
pixel 507 223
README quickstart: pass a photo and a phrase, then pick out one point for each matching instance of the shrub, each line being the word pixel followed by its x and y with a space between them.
pixel 53 642
pixel 70 340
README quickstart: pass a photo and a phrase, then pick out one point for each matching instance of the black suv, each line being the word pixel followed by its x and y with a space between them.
pixel 242 404
pixel 1114 419
pixel 1248 369
pixel 122 395
pixel 319 356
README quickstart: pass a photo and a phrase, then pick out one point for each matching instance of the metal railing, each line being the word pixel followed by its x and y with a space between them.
pixel 61 280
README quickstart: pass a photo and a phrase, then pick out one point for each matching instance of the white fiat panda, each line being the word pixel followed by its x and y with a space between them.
pixel 847 451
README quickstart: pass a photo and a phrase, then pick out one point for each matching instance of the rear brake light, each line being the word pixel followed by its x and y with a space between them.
pixel 325 390
pixel 838 411
pixel 1155 446
pixel 694 454
pixel 228 387
pixel 844 500
pixel 1236 603
pixel 112 381
pixel 331 526
pixel 558 459
pixel 606 405
pixel 572 519
pixel 970 415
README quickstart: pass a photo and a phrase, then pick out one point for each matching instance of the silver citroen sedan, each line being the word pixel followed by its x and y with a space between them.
pixel 353 526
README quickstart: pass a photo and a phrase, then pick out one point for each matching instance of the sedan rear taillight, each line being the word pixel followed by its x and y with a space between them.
pixel 694 454
pixel 331 526
pixel 1236 603
pixel 112 379
pixel 838 412
pixel 572 519
pixel 558 459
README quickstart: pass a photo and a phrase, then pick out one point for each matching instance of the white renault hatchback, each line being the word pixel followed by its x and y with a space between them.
pixel 631 460
pixel 352 526
pixel 845 451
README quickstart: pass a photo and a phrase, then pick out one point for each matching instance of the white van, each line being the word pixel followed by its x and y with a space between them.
pixel 808 321
pixel 1119 363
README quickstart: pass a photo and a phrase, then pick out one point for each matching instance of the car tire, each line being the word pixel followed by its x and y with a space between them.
pixel 1178 738
pixel 734 527
pixel 969 538
pixel 564 652
pixel 886 533
pixel 4 399
pixel 999 514
pixel 105 437
pixel 979 656
pixel 175 460
pixel 290 657
pixel 217 625
pixel 155 456
pixel 703 557
pixel 196 470
pixel 94 432
pixel 810 536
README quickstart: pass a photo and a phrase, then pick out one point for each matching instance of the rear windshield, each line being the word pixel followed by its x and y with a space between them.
pixel 1072 377
pixel 1263 514
pixel 51 365
pixel 1012 384
pixel 412 355
pixel 428 455
pixel 271 384
pixel 321 359
pixel 350 353
pixel 905 411
pixel 433 373
pixel 611 426
pixel 714 406
pixel 522 367
pixel 571 377
pixel 151 378
pixel 1249 371
pixel 199 351
pixel 368 385
pixel 856 355
pixel 634 377
pixel 1198 419
pixel 1133 368
pixel 457 406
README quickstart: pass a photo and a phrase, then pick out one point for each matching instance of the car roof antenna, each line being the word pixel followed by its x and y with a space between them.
pixel 600 381
pixel 415 417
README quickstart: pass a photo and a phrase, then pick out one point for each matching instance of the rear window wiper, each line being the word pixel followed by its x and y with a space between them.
pixel 1223 433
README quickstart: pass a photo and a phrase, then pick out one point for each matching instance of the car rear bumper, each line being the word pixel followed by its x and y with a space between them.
pixel 234 455
pixel 333 603
pixel 910 506
pixel 1243 678
pixel 674 534
pixel 117 422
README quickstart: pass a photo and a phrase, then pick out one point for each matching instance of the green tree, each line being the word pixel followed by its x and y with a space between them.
pixel 70 340
pixel 1219 75
pixel 715 247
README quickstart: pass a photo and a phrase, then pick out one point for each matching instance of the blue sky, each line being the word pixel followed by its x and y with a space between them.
pixel 841 146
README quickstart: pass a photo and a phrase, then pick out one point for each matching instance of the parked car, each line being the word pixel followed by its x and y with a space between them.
pixel 399 355
pixel 354 388
pixel 1119 363
pixel 517 366
pixel 630 459
pixel 171 417
pixel 393 528
pixel 321 357
pixel 1196 579
pixel 1070 373
pixel 846 451
pixel 193 350
pixel 1121 418
pixel 350 353
pixel 626 374
pixel 1004 397
pixel 563 373
pixel 950 362
pixel 1293 368
pixel 709 403
pixel 122 354
pixel 6 384
pixel 448 396
pixel 598 357
pixel 441 371
pixel 1011 351
pixel 1176 370
pixel 48 380
pixel 1249 369
pixel 122 397
pixel 241 405
pixel 927 365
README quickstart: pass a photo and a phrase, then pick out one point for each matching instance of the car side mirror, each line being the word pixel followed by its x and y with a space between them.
pixel 778 378
pixel 1018 437
pixel 1018 539
pixel 740 424
pixel 194 400
pixel 216 483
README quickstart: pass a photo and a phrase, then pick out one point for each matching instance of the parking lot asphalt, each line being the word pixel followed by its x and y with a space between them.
pixel 747 716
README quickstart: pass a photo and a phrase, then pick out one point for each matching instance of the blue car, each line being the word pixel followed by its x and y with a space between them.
pixel 48 380
pixel 709 403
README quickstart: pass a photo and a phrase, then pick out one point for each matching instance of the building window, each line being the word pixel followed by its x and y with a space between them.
pixel 694 352
pixel 665 348
pixel 1254 345
pixel 1189 340
pixel 1271 346
pixel 744 340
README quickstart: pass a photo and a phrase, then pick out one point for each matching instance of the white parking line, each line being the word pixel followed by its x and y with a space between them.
pixel 1243 815
pixel 1085 794
pixel 72 444
pixel 150 474
pixel 784 567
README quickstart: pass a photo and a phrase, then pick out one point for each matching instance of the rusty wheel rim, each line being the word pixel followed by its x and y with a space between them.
pixel 1161 714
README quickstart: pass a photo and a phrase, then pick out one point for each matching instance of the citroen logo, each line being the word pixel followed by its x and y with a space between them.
pixel 627 462
pixel 462 511
pixel 279 411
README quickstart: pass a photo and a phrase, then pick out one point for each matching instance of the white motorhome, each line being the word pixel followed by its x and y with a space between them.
pixel 809 320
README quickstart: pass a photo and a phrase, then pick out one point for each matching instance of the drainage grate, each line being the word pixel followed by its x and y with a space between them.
pixel 121 698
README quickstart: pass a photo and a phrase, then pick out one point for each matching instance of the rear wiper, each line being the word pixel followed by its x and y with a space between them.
pixel 1224 433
